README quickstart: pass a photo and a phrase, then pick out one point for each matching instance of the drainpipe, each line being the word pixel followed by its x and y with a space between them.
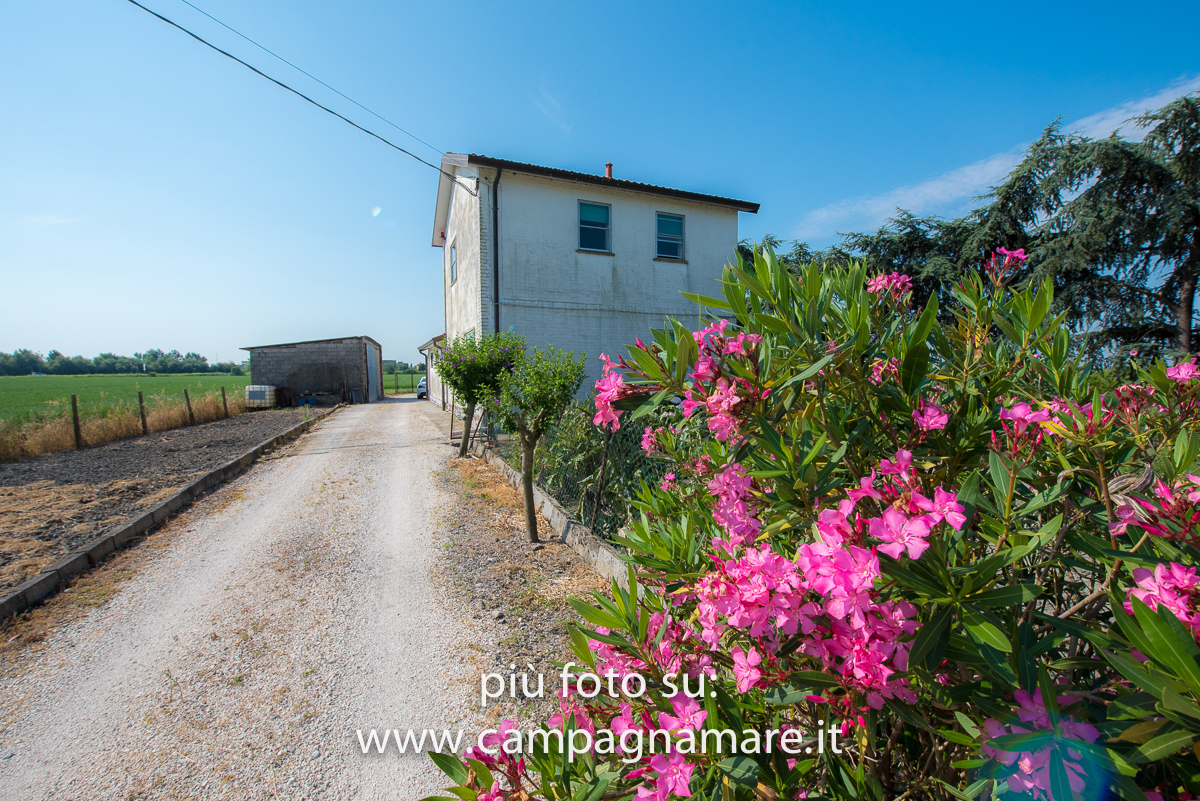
pixel 496 250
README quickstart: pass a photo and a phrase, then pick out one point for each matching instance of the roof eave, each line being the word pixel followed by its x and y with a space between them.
pixel 612 183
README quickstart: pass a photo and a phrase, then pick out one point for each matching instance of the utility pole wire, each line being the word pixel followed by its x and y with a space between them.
pixel 304 97
pixel 314 77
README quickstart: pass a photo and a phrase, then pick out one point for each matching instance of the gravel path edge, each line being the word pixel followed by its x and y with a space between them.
pixel 58 576
pixel 602 557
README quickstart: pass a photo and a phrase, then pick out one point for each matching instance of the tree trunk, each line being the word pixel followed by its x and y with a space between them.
pixel 466 437
pixel 527 446
pixel 1187 300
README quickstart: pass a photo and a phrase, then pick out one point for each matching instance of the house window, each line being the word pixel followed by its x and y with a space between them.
pixel 670 236
pixel 453 265
pixel 594 226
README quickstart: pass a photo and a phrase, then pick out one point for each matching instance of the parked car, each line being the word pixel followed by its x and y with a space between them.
pixel 421 393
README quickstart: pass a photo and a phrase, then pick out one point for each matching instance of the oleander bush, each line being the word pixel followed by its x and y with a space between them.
pixel 932 560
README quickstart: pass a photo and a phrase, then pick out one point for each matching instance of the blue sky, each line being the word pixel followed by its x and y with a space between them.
pixel 156 194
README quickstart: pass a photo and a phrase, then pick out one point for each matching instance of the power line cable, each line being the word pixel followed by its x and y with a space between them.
pixel 304 96
pixel 314 77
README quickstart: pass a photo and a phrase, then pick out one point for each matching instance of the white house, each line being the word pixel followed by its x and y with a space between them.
pixel 586 263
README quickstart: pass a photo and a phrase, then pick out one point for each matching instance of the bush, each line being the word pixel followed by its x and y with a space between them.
pixel 473 369
pixel 934 561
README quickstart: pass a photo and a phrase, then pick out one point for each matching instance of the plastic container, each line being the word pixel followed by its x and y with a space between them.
pixel 260 396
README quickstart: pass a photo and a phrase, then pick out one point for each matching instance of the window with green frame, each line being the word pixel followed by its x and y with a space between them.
pixel 594 229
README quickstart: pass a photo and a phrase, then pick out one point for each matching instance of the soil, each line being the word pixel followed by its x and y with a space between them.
pixel 51 505
pixel 518 594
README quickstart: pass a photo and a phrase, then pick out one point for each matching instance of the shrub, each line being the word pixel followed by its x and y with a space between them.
pixel 531 398
pixel 936 561
pixel 473 369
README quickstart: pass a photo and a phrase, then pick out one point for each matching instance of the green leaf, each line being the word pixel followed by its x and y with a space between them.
pixel 928 635
pixel 451 765
pixel 1006 596
pixel 596 616
pixel 706 300
pixel 1163 746
pixel 579 645
pixel 1132 707
pixel 928 317
pixel 741 770
pixel 1174 646
pixel 1001 473
pixel 986 631
pixel 914 368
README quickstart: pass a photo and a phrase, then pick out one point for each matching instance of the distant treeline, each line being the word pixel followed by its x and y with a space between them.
pixel 25 362
pixel 402 368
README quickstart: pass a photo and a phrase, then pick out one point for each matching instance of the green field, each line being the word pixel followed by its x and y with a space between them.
pixel 24 396
pixel 408 382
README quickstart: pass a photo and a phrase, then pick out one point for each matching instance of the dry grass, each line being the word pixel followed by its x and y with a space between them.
pixel 39 437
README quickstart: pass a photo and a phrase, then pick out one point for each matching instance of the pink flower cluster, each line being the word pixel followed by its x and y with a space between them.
pixel 1183 372
pixel 929 416
pixel 1175 515
pixel 893 284
pixel 608 389
pixel 1030 770
pixel 732 494
pixel 882 369
pixel 826 593
pixel 1174 586
pixel 729 396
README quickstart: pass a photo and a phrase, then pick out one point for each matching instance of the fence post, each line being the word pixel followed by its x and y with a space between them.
pixel 396 382
pixel 75 420
pixel 142 409
pixel 224 403
pixel 188 400
pixel 452 418
pixel 600 480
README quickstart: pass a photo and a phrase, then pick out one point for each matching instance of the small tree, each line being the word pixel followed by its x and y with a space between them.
pixel 532 397
pixel 473 369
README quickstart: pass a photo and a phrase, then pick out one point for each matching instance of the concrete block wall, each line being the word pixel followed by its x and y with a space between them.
pixel 311 366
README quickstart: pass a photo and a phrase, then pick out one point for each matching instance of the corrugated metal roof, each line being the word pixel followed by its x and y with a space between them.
pixel 311 342
pixel 615 183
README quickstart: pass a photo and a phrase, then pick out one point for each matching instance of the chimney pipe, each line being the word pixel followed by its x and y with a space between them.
pixel 608 169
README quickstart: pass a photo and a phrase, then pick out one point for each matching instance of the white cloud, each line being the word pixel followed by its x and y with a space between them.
pixel 550 107
pixel 952 192
pixel 46 220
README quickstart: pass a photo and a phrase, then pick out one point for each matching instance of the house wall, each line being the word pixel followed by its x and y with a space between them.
pixel 312 367
pixel 592 303
pixel 468 300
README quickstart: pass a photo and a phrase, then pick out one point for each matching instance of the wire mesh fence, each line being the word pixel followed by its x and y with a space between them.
pixel 592 473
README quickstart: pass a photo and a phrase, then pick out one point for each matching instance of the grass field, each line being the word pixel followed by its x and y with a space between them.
pixel 25 397
pixel 408 382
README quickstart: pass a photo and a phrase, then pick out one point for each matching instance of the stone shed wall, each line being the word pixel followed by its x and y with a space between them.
pixel 312 366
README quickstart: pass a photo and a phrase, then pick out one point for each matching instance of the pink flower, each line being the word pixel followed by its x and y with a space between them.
pixel 745 668
pixel 1029 771
pixel 929 417
pixel 946 507
pixel 668 482
pixel 674 775
pixel 688 714
pixel 1014 255
pixel 1182 372
pixel 608 389
pixel 1022 415
pixel 902 465
pixel 899 533
pixel 1174 586
pixel 492 795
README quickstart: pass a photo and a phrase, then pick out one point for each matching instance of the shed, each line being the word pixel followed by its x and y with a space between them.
pixel 321 367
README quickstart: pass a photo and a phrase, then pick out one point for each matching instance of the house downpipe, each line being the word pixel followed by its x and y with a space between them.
pixel 496 250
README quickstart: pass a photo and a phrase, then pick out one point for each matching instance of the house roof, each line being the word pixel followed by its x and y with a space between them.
pixel 311 342
pixel 433 343
pixel 452 160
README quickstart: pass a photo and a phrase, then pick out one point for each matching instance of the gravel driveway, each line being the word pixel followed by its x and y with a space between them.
pixel 281 614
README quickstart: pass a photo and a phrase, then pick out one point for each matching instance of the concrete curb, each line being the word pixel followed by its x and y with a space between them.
pixel 58 575
pixel 603 557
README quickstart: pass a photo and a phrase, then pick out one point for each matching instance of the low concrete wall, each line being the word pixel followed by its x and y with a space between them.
pixel 59 575
pixel 603 557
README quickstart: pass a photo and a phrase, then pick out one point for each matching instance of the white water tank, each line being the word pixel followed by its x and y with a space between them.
pixel 260 396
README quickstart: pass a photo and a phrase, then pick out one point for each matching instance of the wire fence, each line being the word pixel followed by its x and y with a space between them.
pixel 593 474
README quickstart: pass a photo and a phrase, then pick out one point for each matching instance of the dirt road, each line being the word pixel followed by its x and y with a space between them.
pixel 287 611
